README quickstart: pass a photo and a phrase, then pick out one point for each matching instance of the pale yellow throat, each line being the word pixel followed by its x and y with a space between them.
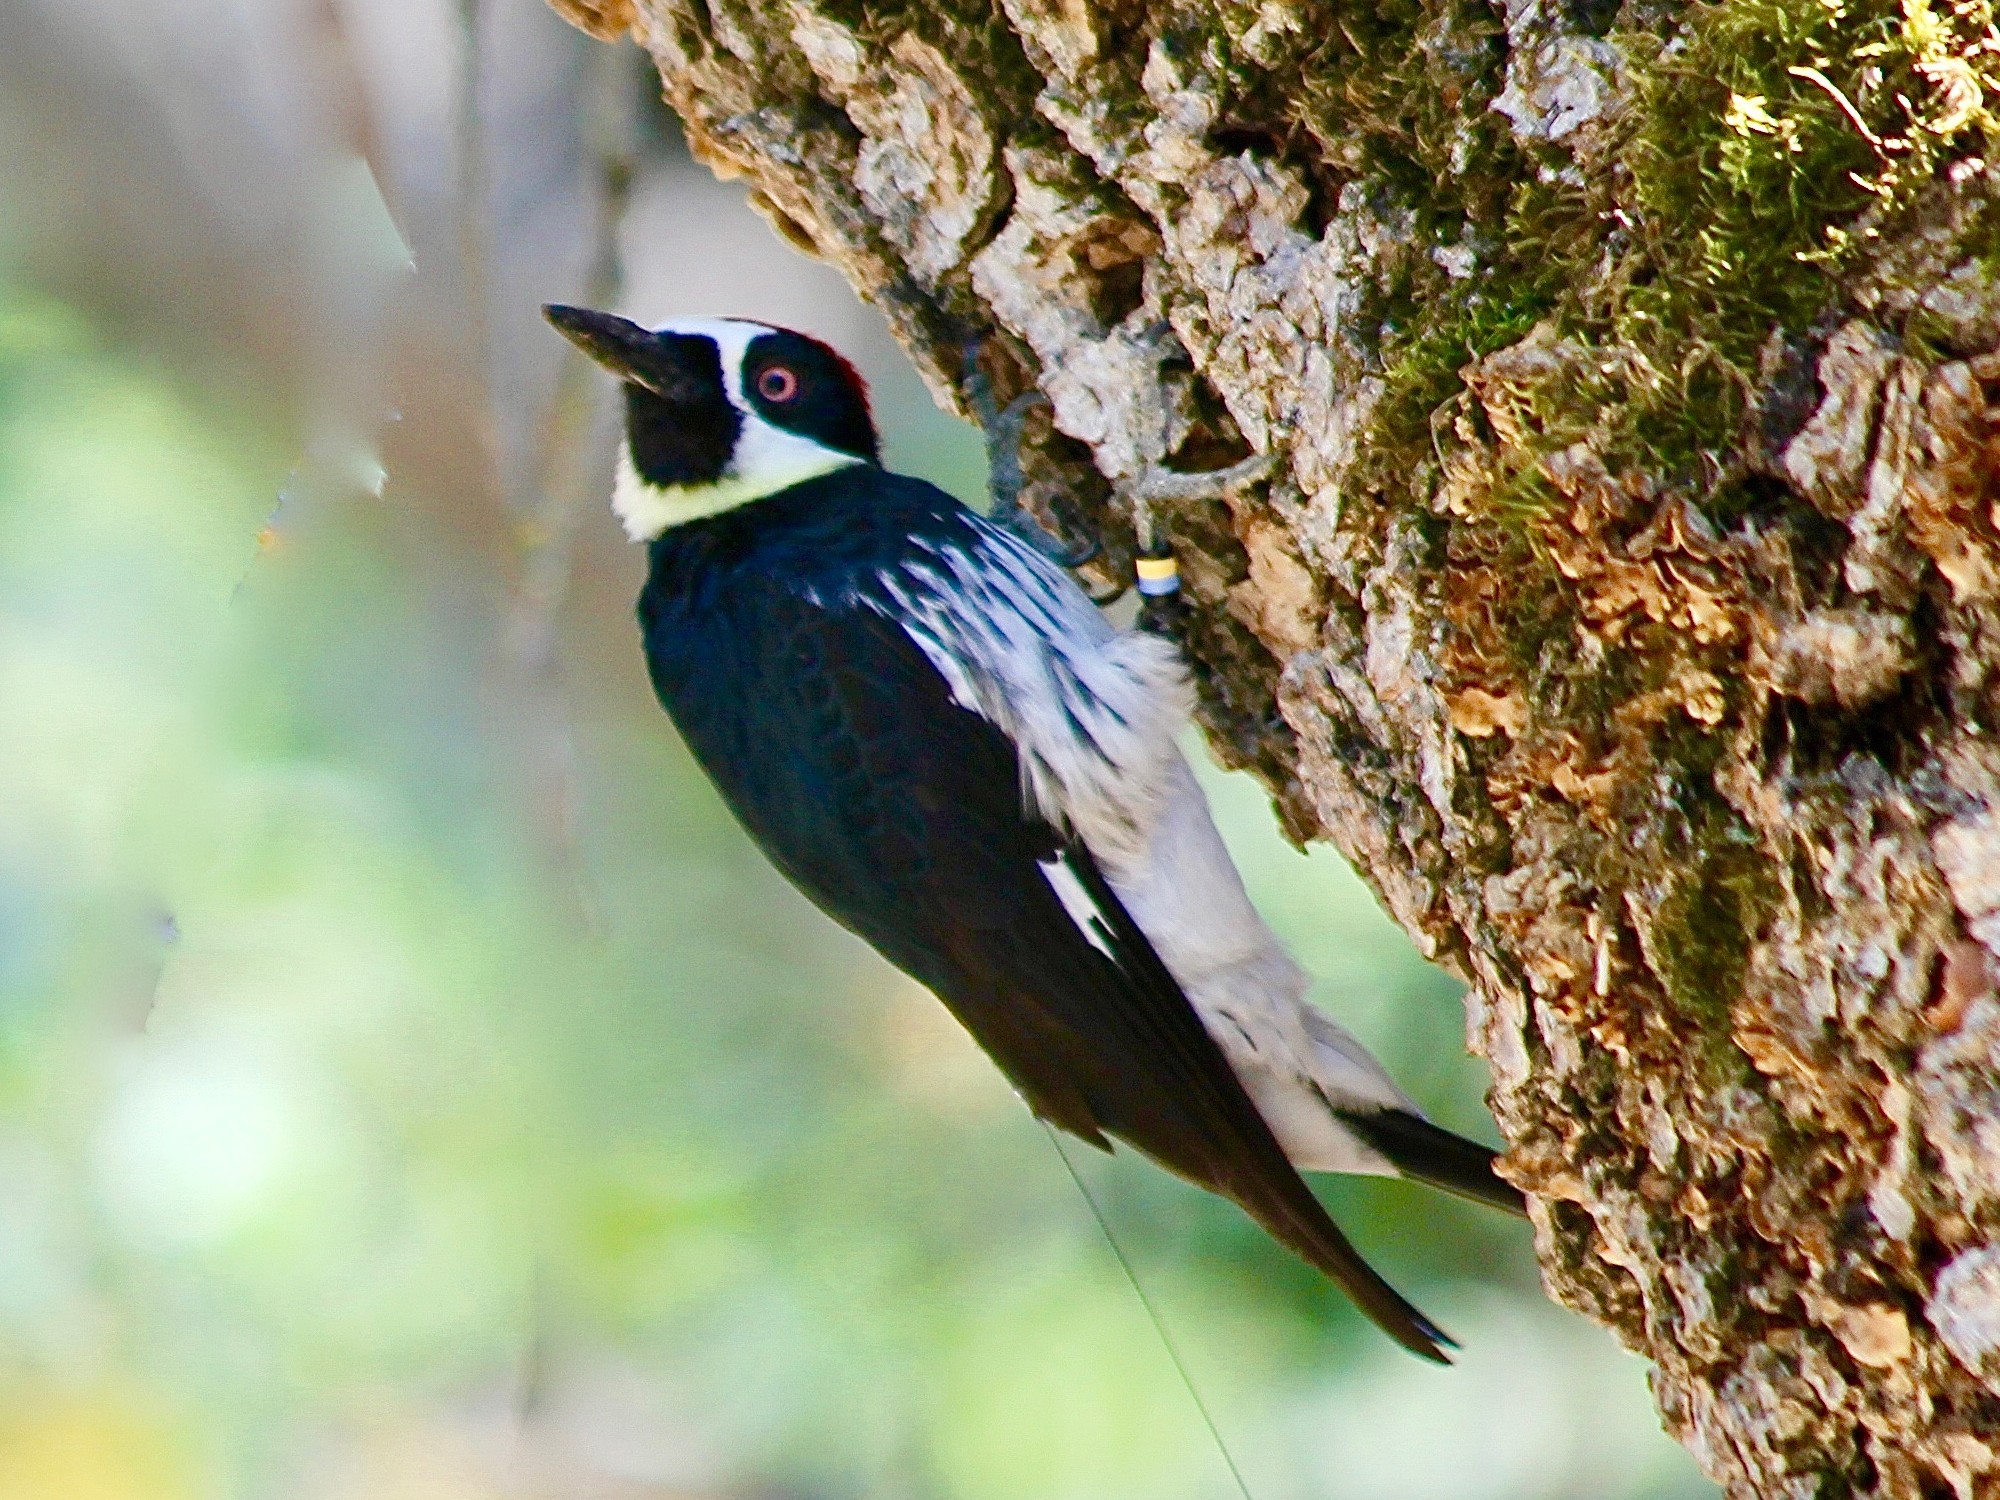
pixel 762 467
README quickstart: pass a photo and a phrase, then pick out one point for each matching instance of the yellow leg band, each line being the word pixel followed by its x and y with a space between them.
pixel 1157 575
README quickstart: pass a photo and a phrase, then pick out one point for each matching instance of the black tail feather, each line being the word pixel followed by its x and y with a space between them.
pixel 1252 1168
pixel 1427 1153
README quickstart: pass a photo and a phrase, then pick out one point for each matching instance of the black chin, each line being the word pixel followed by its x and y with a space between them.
pixel 682 442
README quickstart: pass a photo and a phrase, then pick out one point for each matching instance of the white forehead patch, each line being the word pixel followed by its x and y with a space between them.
pixel 767 458
pixel 733 338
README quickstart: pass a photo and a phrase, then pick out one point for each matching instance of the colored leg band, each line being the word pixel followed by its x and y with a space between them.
pixel 1157 575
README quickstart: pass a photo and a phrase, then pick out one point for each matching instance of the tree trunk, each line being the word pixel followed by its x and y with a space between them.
pixel 1625 603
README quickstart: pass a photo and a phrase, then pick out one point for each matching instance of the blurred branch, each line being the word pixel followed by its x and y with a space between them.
pixel 575 443
pixel 576 430
pixel 350 118
pixel 349 278
pixel 473 202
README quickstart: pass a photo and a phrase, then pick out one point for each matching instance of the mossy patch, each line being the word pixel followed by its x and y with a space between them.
pixel 1703 930
pixel 1760 152
pixel 1771 142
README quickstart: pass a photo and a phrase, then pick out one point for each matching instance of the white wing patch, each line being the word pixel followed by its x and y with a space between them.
pixel 1094 716
pixel 1076 901
pixel 1093 713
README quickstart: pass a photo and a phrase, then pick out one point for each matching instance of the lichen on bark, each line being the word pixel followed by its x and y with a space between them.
pixel 1626 600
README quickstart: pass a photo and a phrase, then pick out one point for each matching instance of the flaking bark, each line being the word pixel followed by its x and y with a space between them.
pixel 1626 602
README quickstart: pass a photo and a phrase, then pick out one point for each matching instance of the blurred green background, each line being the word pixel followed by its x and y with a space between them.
pixel 412 1086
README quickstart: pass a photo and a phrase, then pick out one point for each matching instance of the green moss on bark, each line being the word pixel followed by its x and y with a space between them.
pixel 1716 908
pixel 1759 150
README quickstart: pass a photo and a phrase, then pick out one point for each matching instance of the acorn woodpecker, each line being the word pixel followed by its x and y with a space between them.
pixel 932 732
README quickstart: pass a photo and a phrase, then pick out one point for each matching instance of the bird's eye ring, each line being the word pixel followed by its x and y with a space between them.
pixel 778 383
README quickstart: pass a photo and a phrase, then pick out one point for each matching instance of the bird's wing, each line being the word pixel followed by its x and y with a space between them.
pixel 902 814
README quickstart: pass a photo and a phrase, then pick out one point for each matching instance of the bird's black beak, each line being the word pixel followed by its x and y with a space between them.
pixel 625 349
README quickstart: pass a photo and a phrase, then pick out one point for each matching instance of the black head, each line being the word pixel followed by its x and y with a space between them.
pixel 721 411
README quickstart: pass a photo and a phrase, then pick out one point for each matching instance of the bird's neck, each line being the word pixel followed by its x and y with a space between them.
pixel 649 511
pixel 816 535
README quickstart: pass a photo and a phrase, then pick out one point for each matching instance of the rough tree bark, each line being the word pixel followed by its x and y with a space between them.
pixel 1625 604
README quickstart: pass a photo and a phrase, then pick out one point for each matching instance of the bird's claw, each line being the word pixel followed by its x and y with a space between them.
pixel 1159 484
pixel 1071 555
pixel 1162 609
pixel 978 384
pixel 1156 484
pixel 1003 451
pixel 1106 596
pixel 1003 426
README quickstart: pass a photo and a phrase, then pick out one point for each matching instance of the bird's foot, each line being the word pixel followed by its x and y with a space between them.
pixel 1157 484
pixel 1003 427
pixel 1162 610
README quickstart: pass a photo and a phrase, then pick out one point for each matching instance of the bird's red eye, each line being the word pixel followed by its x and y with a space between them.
pixel 778 383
